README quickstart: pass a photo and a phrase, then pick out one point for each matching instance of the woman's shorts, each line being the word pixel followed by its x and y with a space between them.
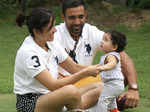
pixel 26 103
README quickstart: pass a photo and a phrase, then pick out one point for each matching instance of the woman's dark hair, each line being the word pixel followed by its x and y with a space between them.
pixel 37 19
pixel 118 39
pixel 72 4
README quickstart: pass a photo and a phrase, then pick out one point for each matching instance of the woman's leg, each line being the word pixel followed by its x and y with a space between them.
pixel 90 94
pixel 68 96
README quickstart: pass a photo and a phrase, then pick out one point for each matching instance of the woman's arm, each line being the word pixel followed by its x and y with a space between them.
pixel 70 66
pixel 48 81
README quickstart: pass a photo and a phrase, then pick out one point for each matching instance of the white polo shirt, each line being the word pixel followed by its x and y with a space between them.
pixel 87 46
pixel 31 59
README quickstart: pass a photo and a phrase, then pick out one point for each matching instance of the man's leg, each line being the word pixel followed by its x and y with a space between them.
pixel 88 80
pixel 90 94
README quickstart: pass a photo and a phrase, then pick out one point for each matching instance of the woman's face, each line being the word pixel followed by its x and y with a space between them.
pixel 48 31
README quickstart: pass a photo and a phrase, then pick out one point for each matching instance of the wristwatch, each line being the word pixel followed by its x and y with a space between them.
pixel 133 87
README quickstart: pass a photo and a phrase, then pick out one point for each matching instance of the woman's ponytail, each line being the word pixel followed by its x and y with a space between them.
pixel 20 19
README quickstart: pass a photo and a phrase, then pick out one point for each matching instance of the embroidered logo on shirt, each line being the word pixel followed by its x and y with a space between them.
pixel 88 49
pixel 72 54
pixel 36 60
pixel 56 59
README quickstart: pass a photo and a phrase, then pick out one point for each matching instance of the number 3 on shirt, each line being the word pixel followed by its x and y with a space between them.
pixel 36 59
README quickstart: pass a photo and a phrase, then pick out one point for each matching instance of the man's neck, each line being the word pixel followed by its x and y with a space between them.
pixel 75 37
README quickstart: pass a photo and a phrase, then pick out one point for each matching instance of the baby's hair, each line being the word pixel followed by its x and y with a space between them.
pixel 118 39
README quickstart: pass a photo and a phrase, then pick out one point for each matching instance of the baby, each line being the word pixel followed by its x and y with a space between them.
pixel 112 44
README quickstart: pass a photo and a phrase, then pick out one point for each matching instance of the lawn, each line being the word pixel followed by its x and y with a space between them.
pixel 11 37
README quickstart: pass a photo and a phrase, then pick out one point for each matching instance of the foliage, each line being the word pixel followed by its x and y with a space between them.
pixel 139 3
pixel 30 3
pixel 7 3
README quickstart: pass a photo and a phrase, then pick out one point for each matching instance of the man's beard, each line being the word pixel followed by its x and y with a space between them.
pixel 76 31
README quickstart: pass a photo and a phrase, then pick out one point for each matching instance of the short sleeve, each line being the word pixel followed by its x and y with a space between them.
pixel 115 54
pixel 33 64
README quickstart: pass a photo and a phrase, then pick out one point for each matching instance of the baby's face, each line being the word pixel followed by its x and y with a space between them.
pixel 106 43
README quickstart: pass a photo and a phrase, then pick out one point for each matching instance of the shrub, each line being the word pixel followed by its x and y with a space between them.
pixel 7 3
pixel 139 3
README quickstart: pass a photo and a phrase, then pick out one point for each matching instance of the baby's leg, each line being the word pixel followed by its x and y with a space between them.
pixel 112 105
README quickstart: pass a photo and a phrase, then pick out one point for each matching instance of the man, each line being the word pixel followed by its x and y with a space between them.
pixel 81 41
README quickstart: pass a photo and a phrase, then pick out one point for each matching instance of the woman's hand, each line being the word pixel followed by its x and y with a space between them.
pixel 93 70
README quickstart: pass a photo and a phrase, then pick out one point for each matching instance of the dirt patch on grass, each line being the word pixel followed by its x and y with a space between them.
pixel 109 15
pixel 135 18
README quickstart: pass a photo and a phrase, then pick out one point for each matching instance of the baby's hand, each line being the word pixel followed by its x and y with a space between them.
pixel 101 68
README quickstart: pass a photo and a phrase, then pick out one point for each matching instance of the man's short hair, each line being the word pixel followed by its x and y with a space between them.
pixel 72 4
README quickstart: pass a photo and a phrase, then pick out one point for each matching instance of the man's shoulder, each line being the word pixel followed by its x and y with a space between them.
pixel 87 25
pixel 91 28
pixel 60 26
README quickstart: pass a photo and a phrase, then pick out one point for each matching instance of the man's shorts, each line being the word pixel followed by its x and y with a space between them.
pixel 88 80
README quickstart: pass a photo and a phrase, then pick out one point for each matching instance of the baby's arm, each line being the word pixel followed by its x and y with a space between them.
pixel 110 63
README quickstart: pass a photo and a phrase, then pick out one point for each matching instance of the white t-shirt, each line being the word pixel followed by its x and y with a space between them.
pixel 115 73
pixel 88 43
pixel 31 59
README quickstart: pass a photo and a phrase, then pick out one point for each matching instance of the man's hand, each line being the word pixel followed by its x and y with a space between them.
pixel 132 98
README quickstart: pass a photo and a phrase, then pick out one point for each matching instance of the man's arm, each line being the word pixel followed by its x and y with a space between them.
pixel 130 74
pixel 128 69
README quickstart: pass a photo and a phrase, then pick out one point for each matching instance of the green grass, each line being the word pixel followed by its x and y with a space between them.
pixel 7 103
pixel 11 37
pixel 138 49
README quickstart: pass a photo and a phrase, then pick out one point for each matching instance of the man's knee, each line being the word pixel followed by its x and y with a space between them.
pixel 99 84
pixel 72 92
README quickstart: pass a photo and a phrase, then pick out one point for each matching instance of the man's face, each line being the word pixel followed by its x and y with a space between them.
pixel 75 19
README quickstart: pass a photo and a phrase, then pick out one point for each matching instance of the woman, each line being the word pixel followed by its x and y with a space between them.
pixel 35 77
